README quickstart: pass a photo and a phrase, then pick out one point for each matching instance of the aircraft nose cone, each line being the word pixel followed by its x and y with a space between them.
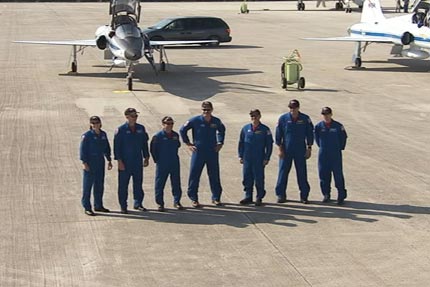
pixel 132 54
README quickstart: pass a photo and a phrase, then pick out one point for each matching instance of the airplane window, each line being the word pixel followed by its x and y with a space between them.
pixel 123 19
pixel 127 30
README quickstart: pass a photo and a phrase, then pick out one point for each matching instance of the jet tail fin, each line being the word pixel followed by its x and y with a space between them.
pixel 372 12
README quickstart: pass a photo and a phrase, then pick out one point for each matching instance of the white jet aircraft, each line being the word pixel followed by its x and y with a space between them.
pixel 122 40
pixel 409 34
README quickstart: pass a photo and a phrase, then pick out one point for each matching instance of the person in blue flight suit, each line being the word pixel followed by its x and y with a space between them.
pixel 131 151
pixel 164 151
pixel 208 138
pixel 330 136
pixel 255 149
pixel 93 150
pixel 405 6
pixel 294 136
pixel 418 17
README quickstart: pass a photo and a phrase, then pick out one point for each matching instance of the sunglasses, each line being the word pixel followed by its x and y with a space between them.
pixel 206 110
pixel 95 123
pixel 132 116
pixel 169 124
pixel 254 116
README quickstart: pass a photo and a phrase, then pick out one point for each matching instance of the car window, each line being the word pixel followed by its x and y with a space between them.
pixel 213 23
pixel 176 25
pixel 161 24
pixel 196 23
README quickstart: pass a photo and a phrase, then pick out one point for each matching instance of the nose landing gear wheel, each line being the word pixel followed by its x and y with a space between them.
pixel 357 63
pixel 130 83
pixel 74 67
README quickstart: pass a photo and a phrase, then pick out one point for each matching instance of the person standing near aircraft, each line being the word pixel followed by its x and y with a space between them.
pixel 93 150
pixel 131 152
pixel 405 6
pixel 208 138
pixel 294 137
pixel 255 149
pixel 330 136
pixel 164 151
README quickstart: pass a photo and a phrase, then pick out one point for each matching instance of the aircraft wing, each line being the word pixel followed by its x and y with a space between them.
pixel 353 39
pixel 170 43
pixel 91 42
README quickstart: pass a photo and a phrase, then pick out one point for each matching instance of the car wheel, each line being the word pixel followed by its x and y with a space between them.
pixel 214 44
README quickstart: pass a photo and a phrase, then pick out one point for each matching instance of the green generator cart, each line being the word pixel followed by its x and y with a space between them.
pixel 290 71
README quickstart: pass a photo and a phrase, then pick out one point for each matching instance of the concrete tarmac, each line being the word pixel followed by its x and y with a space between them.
pixel 380 237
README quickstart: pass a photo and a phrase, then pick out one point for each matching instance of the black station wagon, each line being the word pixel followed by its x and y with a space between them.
pixel 190 29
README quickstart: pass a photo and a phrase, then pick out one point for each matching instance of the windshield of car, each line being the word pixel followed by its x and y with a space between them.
pixel 127 30
pixel 161 24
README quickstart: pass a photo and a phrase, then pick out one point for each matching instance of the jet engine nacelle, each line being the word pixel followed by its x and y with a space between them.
pixel 415 53
pixel 407 38
pixel 101 42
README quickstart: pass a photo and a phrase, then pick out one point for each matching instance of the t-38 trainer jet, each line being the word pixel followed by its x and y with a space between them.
pixel 409 34
pixel 122 40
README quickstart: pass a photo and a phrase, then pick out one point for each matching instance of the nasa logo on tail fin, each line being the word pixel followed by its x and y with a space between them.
pixel 372 12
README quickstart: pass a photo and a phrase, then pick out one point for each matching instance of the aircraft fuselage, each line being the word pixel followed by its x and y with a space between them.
pixel 125 42
pixel 394 31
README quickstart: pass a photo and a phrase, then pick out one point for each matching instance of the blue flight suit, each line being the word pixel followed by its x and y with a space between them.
pixel 255 146
pixel 164 151
pixel 293 136
pixel 93 150
pixel 331 140
pixel 131 147
pixel 206 136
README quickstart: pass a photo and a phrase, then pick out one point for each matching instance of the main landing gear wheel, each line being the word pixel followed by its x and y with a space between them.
pixel 130 83
pixel 301 6
pixel 339 6
pixel 74 67
pixel 348 10
pixel 163 66
pixel 357 63
pixel 301 84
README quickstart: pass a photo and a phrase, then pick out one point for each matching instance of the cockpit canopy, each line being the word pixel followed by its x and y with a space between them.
pixel 124 7
pixel 124 12
pixel 127 31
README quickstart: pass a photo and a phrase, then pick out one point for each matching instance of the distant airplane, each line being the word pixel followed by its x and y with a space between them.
pixel 339 4
pixel 411 29
pixel 122 40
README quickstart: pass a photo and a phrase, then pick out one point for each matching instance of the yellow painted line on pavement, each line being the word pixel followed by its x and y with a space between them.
pixel 121 92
